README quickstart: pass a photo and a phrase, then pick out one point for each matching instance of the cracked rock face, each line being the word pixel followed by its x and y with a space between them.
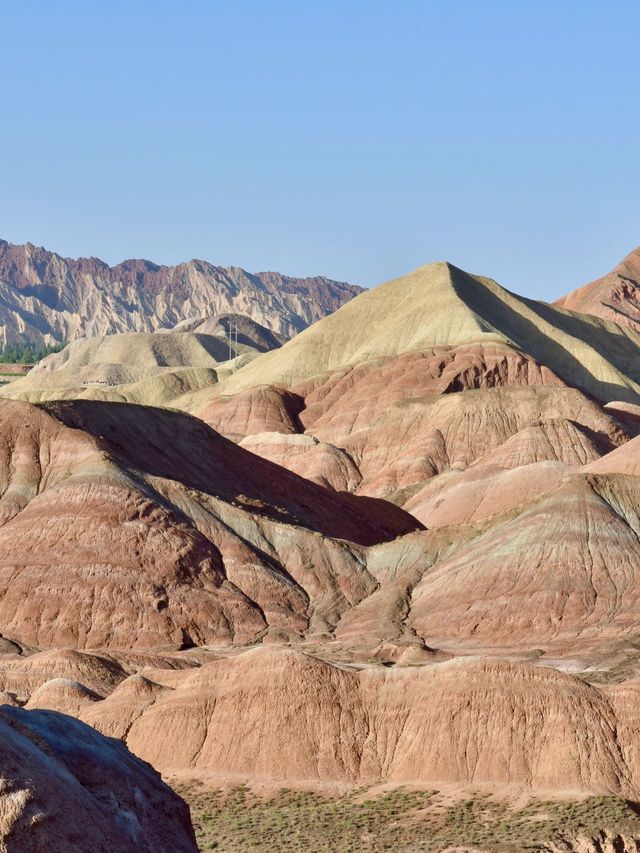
pixel 63 786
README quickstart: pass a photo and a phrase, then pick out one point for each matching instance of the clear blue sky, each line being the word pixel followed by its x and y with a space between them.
pixel 354 139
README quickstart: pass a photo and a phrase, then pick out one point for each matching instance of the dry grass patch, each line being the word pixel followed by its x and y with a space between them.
pixel 237 820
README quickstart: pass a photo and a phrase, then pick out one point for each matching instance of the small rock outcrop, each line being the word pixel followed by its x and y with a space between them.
pixel 65 787
pixel 615 296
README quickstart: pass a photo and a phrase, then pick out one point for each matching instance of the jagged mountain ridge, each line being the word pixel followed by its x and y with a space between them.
pixel 47 298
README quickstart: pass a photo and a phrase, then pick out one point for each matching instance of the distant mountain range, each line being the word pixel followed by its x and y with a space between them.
pixel 45 298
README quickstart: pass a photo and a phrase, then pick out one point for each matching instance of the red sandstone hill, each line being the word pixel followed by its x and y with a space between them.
pixel 615 296
pixel 130 526
pixel 423 375
pixel 424 514
pixel 293 718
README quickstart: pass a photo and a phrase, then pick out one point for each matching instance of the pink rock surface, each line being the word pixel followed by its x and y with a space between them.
pixel 615 296
pixel 133 527
pixel 293 717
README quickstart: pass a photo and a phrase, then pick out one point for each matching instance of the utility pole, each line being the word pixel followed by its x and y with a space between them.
pixel 233 339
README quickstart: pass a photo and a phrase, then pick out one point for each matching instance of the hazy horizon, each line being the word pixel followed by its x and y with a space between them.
pixel 356 141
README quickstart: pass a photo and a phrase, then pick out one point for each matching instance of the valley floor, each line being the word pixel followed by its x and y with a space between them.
pixel 239 818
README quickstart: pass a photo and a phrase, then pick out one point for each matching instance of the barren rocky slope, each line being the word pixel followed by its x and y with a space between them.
pixel 129 526
pixel 615 296
pixel 422 375
pixel 126 526
pixel 123 359
pixel 477 411
pixel 492 437
pixel 423 516
pixel 480 727
pixel 369 725
pixel 559 572
pixel 235 328
pixel 440 306
pixel 295 718
pixel 64 787
pixel 44 297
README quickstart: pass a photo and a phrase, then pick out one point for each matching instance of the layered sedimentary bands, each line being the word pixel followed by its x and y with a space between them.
pixel 295 718
pixel 47 298
pixel 615 296
pixel 402 547
pixel 131 526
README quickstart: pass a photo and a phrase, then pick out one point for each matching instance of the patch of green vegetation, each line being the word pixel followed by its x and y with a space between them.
pixel 295 821
pixel 26 352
